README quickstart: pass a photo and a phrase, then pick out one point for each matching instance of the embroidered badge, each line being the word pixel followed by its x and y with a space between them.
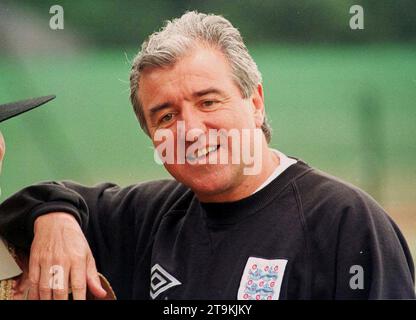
pixel 262 279
pixel 160 281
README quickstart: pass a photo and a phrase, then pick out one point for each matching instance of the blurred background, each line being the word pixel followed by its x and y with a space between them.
pixel 343 100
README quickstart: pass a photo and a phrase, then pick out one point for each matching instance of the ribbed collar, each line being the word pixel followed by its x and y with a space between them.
pixel 224 213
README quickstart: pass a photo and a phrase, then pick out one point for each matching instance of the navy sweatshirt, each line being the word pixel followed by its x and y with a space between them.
pixel 306 235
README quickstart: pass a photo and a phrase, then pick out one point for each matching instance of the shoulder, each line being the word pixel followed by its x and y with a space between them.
pixel 347 227
pixel 155 194
pixel 155 199
pixel 158 188
pixel 331 205
pixel 318 189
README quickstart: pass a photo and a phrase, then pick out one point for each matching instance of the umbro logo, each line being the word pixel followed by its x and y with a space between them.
pixel 160 281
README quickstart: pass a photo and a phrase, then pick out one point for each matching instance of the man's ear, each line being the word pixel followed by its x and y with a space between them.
pixel 257 100
pixel 2 149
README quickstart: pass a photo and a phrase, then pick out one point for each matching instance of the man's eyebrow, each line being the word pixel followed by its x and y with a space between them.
pixel 158 107
pixel 153 110
pixel 208 91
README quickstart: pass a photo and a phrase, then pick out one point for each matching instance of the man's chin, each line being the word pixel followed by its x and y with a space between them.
pixel 207 181
pixel 209 194
pixel 207 189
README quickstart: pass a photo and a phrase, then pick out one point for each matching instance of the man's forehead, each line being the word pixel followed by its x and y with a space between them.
pixel 174 94
pixel 201 71
pixel 206 63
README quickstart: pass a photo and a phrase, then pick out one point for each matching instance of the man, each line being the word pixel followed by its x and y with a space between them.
pixel 219 230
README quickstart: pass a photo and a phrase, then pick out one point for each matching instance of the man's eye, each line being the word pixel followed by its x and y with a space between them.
pixel 208 103
pixel 166 118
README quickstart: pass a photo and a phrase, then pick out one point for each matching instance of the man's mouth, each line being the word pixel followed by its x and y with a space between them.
pixel 201 153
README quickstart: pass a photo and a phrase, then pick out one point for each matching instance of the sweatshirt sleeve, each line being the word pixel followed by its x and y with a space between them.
pixel 105 212
pixel 18 212
pixel 373 260
pixel 357 251
pixel 118 222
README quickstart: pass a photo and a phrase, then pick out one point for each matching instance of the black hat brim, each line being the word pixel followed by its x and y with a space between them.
pixel 13 109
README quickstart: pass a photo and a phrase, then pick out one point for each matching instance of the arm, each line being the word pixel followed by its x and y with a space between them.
pixel 116 221
pixel 373 259
pixel 19 212
pixel 357 252
pixel 57 238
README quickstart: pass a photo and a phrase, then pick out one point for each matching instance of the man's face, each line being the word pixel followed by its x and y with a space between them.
pixel 198 91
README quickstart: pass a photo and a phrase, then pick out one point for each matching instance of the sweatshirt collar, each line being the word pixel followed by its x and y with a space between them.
pixel 284 163
pixel 225 213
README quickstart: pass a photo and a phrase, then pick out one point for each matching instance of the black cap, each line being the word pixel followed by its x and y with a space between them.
pixel 13 109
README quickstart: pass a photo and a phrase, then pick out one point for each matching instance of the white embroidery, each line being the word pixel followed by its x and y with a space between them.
pixel 262 279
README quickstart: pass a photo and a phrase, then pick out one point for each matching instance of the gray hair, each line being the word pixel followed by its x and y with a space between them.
pixel 165 47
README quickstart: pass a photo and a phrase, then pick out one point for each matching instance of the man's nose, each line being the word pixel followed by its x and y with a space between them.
pixel 194 123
